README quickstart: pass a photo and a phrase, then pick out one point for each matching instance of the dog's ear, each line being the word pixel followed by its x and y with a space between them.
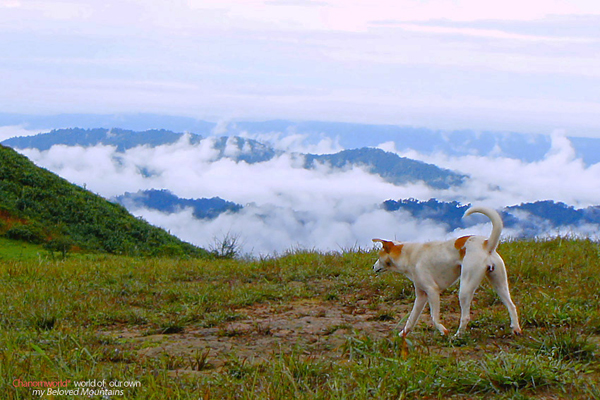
pixel 387 245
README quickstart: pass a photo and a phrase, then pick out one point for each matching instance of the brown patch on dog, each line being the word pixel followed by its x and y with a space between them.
pixel 396 250
pixel 459 244
pixel 389 247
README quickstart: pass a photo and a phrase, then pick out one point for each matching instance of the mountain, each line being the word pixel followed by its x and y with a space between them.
pixel 167 202
pixel 528 219
pixel 523 146
pixel 136 122
pixel 391 167
pixel 120 138
pixel 39 207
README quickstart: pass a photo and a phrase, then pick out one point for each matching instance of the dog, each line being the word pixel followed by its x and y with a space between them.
pixel 434 266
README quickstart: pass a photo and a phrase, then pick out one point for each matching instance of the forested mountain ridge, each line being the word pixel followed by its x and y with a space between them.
pixel 523 146
pixel 528 219
pixel 166 202
pixel 391 167
pixel 37 206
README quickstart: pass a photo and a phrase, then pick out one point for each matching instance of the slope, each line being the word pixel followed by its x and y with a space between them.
pixel 39 207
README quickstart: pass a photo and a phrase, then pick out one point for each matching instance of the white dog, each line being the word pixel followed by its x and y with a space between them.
pixel 434 266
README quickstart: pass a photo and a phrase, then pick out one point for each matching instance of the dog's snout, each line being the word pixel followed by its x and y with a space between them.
pixel 377 267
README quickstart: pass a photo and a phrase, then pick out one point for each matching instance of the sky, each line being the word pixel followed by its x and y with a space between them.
pixel 525 66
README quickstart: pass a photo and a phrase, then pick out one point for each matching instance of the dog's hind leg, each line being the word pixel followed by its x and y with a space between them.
pixel 499 282
pixel 472 273
pixel 420 301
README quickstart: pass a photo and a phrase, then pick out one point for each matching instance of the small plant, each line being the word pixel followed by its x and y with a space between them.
pixel 364 347
pixel 231 332
pixel 237 367
pixel 262 329
pixel 60 244
pixel 226 247
pixel 566 345
pixel 115 355
pixel 384 315
pixel 329 296
pixel 333 328
pixel 44 318
pixel 172 328
pixel 199 360
pixel 44 322
pixel 166 362
pixel 509 371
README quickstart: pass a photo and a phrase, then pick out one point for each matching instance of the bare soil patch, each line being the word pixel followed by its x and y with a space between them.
pixel 312 327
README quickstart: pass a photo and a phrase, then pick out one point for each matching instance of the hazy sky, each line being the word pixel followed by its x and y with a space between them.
pixel 521 65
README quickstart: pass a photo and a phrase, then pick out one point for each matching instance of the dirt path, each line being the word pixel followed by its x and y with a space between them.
pixel 313 327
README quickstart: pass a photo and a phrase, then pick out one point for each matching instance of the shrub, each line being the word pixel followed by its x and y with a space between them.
pixel 29 233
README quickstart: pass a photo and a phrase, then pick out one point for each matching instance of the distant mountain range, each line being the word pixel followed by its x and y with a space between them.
pixel 526 147
pixel 528 219
pixel 523 221
pixel 391 167
pixel 166 202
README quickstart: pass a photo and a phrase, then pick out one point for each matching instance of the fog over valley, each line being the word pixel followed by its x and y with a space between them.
pixel 295 190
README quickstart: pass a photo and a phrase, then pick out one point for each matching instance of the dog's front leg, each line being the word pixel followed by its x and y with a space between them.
pixel 434 307
pixel 420 300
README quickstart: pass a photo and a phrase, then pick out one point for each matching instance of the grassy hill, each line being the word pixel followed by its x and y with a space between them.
pixel 39 207
pixel 302 326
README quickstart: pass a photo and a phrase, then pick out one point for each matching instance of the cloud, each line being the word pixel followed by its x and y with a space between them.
pixel 501 182
pixel 491 34
pixel 7 132
pixel 331 60
pixel 328 226
pixel 297 142
pixel 287 206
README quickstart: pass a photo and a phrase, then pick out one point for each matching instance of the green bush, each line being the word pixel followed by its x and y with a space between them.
pixel 28 233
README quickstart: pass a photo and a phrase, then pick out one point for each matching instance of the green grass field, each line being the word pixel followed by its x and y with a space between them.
pixel 301 326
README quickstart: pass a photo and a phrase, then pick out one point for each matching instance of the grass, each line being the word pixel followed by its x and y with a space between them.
pixel 12 250
pixel 239 329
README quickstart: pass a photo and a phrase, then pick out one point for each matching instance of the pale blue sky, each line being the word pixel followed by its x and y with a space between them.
pixel 529 66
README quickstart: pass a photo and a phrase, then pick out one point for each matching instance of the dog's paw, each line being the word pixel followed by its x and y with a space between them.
pixel 517 331
pixel 403 333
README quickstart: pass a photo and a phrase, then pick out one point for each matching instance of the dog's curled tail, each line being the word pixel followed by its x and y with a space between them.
pixel 497 225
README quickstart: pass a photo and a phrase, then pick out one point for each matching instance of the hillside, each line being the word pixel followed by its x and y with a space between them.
pixel 37 206
pixel 391 167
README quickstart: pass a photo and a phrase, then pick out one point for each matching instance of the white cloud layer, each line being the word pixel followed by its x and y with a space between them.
pixel 287 206
pixel 7 132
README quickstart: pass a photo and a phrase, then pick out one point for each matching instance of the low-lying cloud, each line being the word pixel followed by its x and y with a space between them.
pixel 287 206
pixel 502 182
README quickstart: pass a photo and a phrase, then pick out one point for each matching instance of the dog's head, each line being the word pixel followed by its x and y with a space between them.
pixel 387 254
